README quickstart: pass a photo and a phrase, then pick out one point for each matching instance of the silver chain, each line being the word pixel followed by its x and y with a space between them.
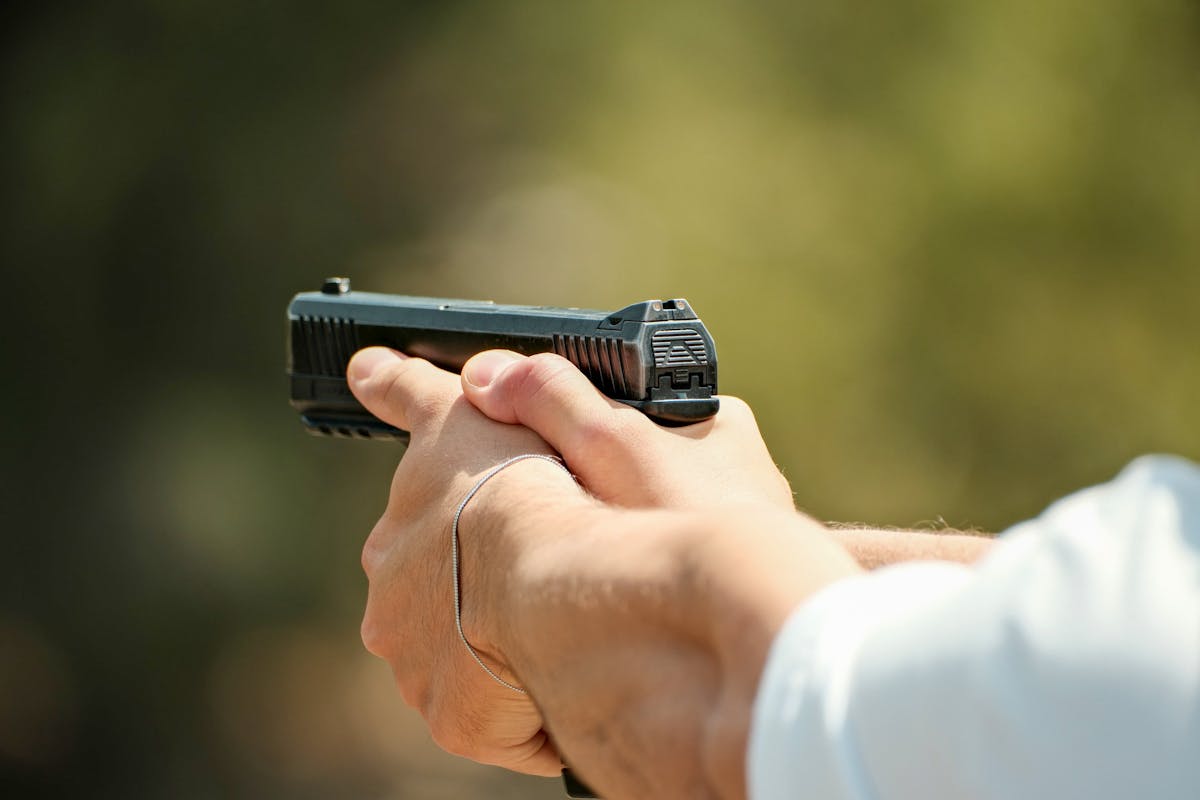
pixel 487 476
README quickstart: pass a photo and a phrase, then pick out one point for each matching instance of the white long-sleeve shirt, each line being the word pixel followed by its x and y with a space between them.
pixel 1066 664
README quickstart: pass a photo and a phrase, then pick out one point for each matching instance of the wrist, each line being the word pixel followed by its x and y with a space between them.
pixel 752 570
pixel 752 590
pixel 497 526
pixel 606 609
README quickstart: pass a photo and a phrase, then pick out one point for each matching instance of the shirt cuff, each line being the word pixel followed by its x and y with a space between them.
pixel 798 744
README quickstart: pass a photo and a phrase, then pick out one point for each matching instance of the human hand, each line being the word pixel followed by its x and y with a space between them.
pixel 409 619
pixel 628 630
pixel 620 455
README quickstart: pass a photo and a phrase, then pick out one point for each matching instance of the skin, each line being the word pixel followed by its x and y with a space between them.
pixel 636 607
pixel 625 459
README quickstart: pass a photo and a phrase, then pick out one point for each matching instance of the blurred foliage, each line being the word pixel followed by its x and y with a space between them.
pixel 950 253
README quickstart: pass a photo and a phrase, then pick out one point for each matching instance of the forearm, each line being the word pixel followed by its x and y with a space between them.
pixel 873 548
pixel 641 635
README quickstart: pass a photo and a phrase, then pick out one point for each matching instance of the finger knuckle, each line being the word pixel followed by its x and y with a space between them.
pixel 414 688
pixel 457 722
pixel 541 374
pixel 397 387
pixel 598 434
pixel 393 378
pixel 374 550
pixel 613 433
pixel 449 733
pixel 373 635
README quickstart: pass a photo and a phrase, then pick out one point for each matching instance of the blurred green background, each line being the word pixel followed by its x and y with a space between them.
pixel 950 253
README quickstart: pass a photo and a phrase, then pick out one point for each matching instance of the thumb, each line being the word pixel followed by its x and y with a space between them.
pixel 402 391
pixel 549 395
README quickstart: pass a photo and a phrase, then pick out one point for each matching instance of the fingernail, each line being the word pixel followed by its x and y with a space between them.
pixel 485 367
pixel 366 362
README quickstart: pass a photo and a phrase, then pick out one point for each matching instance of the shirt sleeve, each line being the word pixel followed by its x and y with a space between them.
pixel 1066 664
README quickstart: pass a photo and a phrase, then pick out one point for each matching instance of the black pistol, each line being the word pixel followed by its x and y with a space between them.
pixel 656 355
